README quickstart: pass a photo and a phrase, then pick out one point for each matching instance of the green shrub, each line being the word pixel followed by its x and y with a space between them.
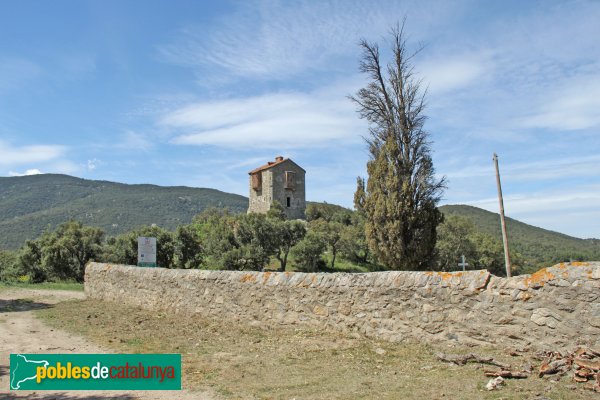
pixel 307 253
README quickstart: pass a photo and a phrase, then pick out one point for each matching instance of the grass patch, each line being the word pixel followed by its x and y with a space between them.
pixel 239 361
pixel 73 286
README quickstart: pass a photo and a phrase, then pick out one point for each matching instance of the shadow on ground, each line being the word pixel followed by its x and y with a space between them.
pixel 18 305
pixel 63 396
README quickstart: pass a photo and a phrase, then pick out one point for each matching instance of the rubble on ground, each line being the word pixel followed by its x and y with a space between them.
pixel 581 366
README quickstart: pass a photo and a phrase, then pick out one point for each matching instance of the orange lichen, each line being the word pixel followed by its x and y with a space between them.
pixel 266 276
pixel 449 275
pixel 580 264
pixel 539 278
pixel 248 278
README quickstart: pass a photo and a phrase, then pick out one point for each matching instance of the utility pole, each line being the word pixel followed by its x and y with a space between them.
pixel 502 221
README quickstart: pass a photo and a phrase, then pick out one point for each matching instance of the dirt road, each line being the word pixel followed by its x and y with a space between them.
pixel 22 332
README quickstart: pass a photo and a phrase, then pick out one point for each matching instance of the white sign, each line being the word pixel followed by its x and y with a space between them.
pixel 146 252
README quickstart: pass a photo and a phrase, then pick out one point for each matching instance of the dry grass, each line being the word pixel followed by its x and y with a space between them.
pixel 243 362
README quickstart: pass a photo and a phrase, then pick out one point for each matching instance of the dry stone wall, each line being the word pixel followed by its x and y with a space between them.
pixel 556 307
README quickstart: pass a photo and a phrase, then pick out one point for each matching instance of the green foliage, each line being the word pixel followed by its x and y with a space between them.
pixel 455 239
pixel 353 244
pixel 215 229
pixel 531 247
pixel 188 247
pixel 287 235
pixel 324 211
pixel 457 236
pixel 276 212
pixel 29 205
pixel 489 253
pixel 72 286
pixel 331 233
pixel 69 249
pixel 9 267
pixel 402 192
pixel 247 257
pixel 30 261
pixel 124 248
pixel 256 240
pixel 61 254
pixel 360 195
pixel 308 251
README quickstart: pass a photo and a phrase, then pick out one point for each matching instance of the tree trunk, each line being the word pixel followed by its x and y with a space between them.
pixel 333 254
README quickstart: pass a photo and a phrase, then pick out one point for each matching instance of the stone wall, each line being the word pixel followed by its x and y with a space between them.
pixel 556 307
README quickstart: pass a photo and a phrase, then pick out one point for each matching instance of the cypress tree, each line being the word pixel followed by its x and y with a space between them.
pixel 401 194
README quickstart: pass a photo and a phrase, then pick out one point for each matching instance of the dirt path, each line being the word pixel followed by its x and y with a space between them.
pixel 22 332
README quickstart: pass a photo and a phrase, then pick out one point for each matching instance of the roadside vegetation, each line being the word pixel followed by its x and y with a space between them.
pixel 332 239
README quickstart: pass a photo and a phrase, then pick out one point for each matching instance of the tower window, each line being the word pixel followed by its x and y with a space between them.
pixel 290 180
pixel 289 201
pixel 257 181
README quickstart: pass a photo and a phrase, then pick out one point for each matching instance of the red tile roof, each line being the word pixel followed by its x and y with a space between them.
pixel 271 164
pixel 268 165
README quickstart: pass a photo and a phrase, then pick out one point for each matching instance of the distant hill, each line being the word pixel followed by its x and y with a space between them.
pixel 30 204
pixel 539 246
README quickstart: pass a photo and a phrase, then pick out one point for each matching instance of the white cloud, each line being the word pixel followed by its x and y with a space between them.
pixel 445 74
pixel 278 120
pixel 15 155
pixel 553 209
pixel 275 39
pixel 92 164
pixel 573 105
pixel 135 142
pixel 63 167
pixel 33 171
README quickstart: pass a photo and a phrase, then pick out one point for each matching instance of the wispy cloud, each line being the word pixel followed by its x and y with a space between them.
pixel 275 39
pixel 15 72
pixel 276 120
pixel 569 211
pixel 93 164
pixel 18 155
pixel 134 141
pixel 551 169
pixel 450 74
pixel 572 105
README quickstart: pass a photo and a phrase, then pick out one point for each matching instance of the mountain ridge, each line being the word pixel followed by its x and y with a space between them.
pixel 540 246
pixel 31 204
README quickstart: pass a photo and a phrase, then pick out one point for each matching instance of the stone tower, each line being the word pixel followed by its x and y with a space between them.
pixel 281 180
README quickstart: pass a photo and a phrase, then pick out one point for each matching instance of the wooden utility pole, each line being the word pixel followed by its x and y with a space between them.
pixel 502 221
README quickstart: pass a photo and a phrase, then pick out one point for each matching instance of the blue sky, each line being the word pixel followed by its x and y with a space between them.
pixel 198 93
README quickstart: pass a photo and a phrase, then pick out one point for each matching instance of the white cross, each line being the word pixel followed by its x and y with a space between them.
pixel 463 264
